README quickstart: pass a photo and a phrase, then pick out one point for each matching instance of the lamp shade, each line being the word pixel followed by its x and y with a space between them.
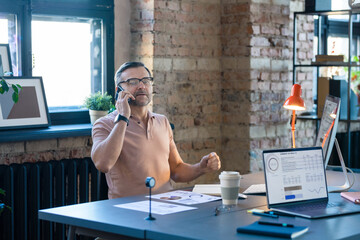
pixel 295 102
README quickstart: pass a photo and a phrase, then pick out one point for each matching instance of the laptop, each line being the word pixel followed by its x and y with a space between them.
pixel 295 183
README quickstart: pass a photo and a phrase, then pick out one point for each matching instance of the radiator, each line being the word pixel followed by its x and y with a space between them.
pixel 33 186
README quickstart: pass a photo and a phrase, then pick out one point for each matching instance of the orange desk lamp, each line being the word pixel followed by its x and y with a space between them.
pixel 294 103
pixel 333 116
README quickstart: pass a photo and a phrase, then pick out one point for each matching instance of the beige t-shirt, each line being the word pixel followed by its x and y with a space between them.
pixel 145 153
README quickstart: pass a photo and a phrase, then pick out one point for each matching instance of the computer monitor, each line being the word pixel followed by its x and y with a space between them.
pixel 328 126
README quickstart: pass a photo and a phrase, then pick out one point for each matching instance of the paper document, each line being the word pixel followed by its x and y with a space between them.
pixel 211 189
pixel 255 189
pixel 185 197
pixel 160 208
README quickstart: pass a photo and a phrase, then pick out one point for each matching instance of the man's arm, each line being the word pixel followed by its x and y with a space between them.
pixel 106 149
pixel 184 172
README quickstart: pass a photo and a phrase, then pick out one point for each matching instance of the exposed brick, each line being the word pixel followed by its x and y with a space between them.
pixel 281 2
pixel 222 70
pixel 73 142
pixel 271 131
pixel 162 64
pixel 280 65
pixel 41 145
pixel 268 29
pixel 147 14
pixel 257 132
pixel 260 42
pixel 173 5
pixel 302 36
pixel 255 29
pixel 186 6
pixel 209 64
pixel 184 64
pixel 260 63
pixel 12 147
pixel 186 134
pixel 282 130
pixel 235 8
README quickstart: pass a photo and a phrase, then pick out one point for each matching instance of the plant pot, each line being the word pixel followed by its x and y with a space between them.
pixel 95 115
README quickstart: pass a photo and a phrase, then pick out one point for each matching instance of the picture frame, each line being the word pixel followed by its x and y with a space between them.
pixel 31 110
pixel 5 60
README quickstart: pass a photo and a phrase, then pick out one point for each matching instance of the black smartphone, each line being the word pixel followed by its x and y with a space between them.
pixel 119 89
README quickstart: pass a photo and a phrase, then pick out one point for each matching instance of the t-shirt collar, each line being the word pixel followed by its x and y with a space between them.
pixel 150 114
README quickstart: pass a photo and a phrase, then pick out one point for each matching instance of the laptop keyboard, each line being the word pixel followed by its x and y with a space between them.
pixel 311 206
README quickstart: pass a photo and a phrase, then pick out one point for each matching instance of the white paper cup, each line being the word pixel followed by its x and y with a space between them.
pixel 230 185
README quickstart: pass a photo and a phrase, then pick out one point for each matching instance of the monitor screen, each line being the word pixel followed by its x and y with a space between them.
pixel 328 126
pixel 295 174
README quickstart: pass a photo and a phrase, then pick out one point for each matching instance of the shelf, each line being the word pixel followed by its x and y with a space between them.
pixel 325 13
pixel 327 65
pixel 58 131
pixel 316 118
pixel 309 117
pixel 348 28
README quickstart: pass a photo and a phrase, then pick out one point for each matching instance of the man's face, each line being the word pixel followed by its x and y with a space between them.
pixel 141 92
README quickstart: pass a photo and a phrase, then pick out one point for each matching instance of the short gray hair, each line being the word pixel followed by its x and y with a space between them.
pixel 128 65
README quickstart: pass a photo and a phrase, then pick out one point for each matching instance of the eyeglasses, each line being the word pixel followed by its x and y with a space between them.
pixel 147 81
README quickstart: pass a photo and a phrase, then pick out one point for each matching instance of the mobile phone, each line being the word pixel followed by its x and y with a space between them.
pixel 118 90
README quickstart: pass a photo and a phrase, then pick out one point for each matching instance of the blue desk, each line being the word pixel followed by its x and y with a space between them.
pixel 103 219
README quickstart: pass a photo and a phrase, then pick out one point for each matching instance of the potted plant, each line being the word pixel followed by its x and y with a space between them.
pixel 3 205
pixel 99 105
pixel 355 80
pixel 4 88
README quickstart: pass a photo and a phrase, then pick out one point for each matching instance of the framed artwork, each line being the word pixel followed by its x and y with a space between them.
pixel 5 60
pixel 30 111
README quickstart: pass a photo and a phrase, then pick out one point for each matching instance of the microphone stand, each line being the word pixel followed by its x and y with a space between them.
pixel 150 183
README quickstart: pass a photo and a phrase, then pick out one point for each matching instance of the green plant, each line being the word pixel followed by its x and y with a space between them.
pixel 98 101
pixel 5 86
pixel 355 78
pixel 3 205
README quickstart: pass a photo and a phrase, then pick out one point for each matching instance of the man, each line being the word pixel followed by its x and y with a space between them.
pixel 133 143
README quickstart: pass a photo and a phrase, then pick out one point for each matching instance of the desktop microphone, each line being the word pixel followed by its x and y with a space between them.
pixel 150 183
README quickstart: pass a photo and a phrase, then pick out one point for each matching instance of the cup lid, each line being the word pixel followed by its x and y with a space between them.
pixel 229 174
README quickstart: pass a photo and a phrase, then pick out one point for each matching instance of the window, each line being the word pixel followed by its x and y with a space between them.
pixel 68 43
pixel 8 33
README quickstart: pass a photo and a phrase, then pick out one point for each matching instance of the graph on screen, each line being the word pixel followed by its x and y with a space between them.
pixel 295 175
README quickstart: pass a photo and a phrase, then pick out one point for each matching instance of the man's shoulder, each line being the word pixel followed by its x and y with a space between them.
pixel 106 120
pixel 158 115
pixel 161 118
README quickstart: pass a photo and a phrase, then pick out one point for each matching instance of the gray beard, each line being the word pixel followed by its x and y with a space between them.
pixel 135 103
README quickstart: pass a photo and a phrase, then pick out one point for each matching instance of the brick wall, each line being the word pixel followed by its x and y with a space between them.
pixel 45 150
pixel 187 72
pixel 222 71
pixel 257 78
pixel 142 31
pixel 305 130
pixel 270 82
pixel 236 95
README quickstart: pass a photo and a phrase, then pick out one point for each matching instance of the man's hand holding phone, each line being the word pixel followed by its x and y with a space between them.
pixel 122 102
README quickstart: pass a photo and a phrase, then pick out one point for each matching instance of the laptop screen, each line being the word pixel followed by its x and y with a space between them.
pixel 293 175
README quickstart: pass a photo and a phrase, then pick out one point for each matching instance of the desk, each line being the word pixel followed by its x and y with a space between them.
pixel 103 219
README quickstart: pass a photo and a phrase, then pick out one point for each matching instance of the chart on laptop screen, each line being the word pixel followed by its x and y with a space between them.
pixel 294 175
